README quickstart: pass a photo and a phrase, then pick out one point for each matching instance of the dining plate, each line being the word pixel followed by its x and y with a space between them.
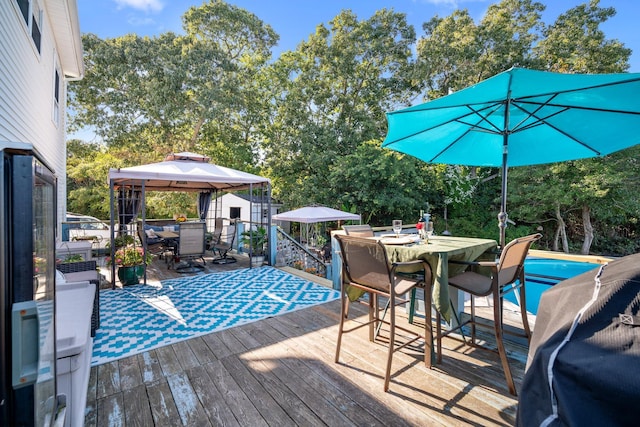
pixel 396 240
pixel 393 235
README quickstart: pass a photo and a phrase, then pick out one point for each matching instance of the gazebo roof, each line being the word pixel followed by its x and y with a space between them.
pixel 311 214
pixel 184 172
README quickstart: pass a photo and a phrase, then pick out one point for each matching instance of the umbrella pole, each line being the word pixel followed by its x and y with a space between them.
pixel 502 216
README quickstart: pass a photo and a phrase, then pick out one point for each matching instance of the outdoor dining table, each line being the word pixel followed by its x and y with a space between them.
pixel 437 253
pixel 167 234
pixel 170 245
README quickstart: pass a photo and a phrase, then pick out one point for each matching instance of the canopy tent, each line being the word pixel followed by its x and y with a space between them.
pixel 190 172
pixel 184 172
pixel 314 214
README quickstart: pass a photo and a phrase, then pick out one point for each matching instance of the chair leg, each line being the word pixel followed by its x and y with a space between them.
pixel 428 327
pixel 412 306
pixel 473 320
pixel 346 310
pixel 373 316
pixel 344 306
pixel 497 325
pixel 439 336
pixel 523 311
pixel 392 342
pixel 384 314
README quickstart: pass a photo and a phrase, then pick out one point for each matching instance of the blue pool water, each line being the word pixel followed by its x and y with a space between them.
pixel 542 273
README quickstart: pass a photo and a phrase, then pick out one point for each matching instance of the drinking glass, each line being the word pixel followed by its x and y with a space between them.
pixel 429 227
pixel 397 226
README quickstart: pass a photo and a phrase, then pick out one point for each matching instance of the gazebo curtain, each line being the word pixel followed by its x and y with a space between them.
pixel 204 201
pixel 128 205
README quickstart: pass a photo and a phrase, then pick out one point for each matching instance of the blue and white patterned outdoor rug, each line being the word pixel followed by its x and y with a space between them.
pixel 140 317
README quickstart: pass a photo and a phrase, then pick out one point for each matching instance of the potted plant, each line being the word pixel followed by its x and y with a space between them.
pixel 254 242
pixel 130 261
pixel 121 240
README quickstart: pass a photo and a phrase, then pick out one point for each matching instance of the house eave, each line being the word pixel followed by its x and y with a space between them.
pixel 63 16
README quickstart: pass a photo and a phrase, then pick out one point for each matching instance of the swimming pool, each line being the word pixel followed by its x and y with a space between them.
pixel 542 273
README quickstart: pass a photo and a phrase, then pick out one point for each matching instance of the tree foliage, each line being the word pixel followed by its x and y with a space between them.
pixel 334 90
pixel 312 119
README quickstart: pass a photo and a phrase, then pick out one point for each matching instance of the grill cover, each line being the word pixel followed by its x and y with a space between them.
pixel 586 343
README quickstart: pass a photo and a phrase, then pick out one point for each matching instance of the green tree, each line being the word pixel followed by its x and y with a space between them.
pixel 455 52
pixel 333 91
pixel 576 44
pixel 146 97
pixel 383 184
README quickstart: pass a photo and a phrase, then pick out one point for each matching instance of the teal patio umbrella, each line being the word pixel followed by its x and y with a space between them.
pixel 522 117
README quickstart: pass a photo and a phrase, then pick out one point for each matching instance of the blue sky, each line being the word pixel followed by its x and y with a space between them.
pixel 294 20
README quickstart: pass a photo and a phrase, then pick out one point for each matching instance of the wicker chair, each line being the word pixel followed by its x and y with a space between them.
pixel 85 271
pixel 366 267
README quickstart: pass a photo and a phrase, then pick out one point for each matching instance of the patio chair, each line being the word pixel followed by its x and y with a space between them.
pixel 80 272
pixel 507 275
pixel 155 244
pixel 217 233
pixel 223 246
pixel 191 246
pixel 362 230
pixel 365 266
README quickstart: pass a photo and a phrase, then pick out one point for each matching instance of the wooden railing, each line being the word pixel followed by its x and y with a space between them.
pixel 292 254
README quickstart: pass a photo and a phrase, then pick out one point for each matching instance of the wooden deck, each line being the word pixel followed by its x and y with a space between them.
pixel 281 371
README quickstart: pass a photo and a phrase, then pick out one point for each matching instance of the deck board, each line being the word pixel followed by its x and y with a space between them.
pixel 136 406
pixel 281 371
pixel 210 397
pixel 163 407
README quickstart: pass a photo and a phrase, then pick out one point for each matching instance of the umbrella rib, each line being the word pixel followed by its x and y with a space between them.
pixel 577 107
pixel 582 88
pixel 495 107
pixel 472 126
pixel 456 119
pixel 541 120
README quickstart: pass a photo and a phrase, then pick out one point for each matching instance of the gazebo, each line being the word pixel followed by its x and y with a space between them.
pixel 184 171
pixel 309 215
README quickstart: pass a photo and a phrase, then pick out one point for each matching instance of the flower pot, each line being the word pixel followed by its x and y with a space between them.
pixel 130 275
pixel 257 260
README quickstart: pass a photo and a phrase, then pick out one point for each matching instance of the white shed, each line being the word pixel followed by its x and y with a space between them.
pixel 239 206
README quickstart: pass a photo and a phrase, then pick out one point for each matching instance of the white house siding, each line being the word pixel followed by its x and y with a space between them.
pixel 27 87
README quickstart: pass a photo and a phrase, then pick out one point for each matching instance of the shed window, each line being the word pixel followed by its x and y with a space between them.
pixel 234 213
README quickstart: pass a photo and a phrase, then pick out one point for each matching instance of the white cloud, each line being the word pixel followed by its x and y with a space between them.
pixel 145 5
pixel 135 21
pixel 454 4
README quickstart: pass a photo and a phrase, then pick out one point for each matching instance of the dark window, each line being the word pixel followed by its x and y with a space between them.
pixel 56 89
pixel 24 8
pixel 56 96
pixel 35 32
pixel 234 213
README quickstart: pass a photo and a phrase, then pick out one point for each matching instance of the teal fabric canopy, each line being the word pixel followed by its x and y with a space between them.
pixel 522 117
